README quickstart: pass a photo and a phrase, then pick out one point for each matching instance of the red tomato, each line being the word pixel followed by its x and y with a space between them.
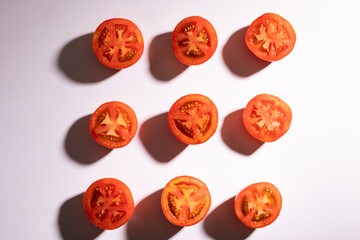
pixel 193 119
pixel 108 203
pixel 258 205
pixel 267 117
pixel 113 124
pixel 194 40
pixel 185 200
pixel 270 37
pixel 118 43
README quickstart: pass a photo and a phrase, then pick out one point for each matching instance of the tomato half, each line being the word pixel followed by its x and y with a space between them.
pixel 118 43
pixel 185 200
pixel 258 205
pixel 194 40
pixel 267 117
pixel 108 203
pixel 270 37
pixel 113 124
pixel 193 119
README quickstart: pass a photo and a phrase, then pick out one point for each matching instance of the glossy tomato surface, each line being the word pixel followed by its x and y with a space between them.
pixel 267 117
pixel 185 200
pixel 258 205
pixel 118 43
pixel 194 40
pixel 270 37
pixel 193 119
pixel 113 124
pixel 108 203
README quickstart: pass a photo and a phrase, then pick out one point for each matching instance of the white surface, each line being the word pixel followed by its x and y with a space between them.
pixel 51 83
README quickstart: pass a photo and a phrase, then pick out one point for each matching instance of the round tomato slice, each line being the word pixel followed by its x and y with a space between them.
pixel 258 205
pixel 108 203
pixel 118 43
pixel 270 37
pixel 267 117
pixel 113 124
pixel 193 119
pixel 185 201
pixel 194 40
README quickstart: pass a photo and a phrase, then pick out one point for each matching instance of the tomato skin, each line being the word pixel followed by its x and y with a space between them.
pixel 258 205
pixel 185 201
pixel 270 37
pixel 108 203
pixel 193 119
pixel 118 43
pixel 116 118
pixel 267 117
pixel 194 40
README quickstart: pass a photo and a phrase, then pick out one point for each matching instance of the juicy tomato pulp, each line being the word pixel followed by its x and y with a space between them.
pixel 185 200
pixel 258 205
pixel 118 43
pixel 108 203
pixel 193 119
pixel 113 124
pixel 270 37
pixel 267 117
pixel 194 40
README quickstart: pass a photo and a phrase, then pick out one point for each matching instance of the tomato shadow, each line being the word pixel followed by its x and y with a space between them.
pixel 238 58
pixel 235 135
pixel 80 146
pixel 158 140
pixel 73 222
pixel 223 224
pixel 164 66
pixel 149 222
pixel 79 63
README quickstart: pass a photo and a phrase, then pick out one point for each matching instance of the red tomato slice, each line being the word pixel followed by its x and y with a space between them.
pixel 193 119
pixel 194 40
pixel 185 200
pixel 113 124
pixel 258 205
pixel 118 43
pixel 267 117
pixel 108 203
pixel 270 37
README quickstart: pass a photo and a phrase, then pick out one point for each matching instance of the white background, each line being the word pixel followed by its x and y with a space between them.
pixel 51 82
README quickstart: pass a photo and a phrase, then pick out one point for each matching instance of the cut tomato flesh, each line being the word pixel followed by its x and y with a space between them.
pixel 193 118
pixel 270 37
pixel 113 124
pixel 185 201
pixel 118 43
pixel 122 45
pixel 194 40
pixel 267 117
pixel 258 205
pixel 108 203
